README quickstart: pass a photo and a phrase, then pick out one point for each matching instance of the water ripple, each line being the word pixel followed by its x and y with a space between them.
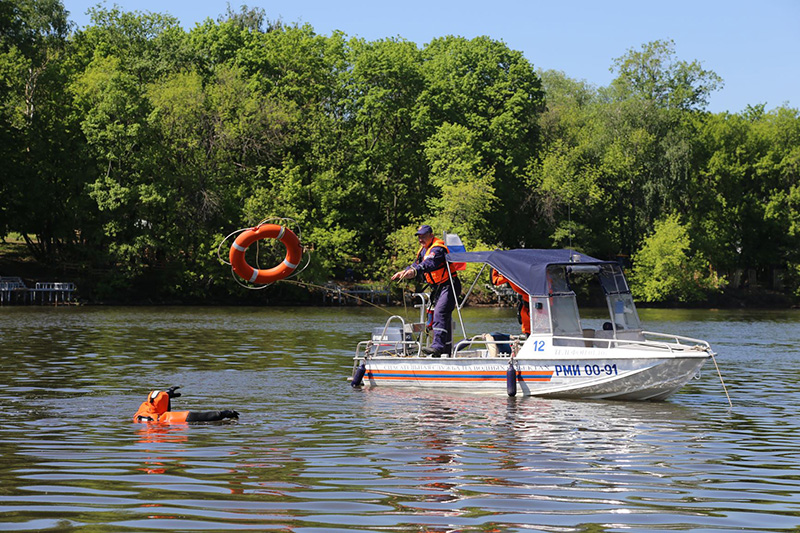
pixel 310 454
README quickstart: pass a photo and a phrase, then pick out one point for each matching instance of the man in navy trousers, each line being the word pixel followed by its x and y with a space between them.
pixel 431 266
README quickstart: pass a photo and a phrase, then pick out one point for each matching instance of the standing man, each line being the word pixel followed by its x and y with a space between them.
pixel 430 264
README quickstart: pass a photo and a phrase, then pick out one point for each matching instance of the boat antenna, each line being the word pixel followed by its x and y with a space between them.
pixel 569 225
pixel 569 222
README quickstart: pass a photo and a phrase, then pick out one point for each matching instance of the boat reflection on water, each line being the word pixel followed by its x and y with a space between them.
pixel 536 426
pixel 532 456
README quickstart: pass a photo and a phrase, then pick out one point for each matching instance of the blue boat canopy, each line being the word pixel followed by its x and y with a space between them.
pixel 527 268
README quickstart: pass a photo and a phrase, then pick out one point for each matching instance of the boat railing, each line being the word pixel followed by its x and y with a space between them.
pixel 371 348
pixel 389 321
pixel 599 341
pixel 425 302
pixel 382 343
pixel 514 343
pixel 679 338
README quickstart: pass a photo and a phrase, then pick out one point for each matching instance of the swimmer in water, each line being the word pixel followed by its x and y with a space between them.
pixel 157 408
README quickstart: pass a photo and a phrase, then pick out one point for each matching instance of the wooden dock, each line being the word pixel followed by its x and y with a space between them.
pixel 13 291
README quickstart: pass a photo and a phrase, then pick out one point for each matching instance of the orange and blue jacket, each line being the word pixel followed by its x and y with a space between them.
pixel 432 263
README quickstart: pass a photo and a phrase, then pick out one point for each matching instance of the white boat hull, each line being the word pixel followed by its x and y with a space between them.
pixel 632 376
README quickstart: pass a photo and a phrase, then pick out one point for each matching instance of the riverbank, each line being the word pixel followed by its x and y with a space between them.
pixel 16 261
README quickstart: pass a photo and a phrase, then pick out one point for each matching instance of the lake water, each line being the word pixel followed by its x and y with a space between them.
pixel 311 454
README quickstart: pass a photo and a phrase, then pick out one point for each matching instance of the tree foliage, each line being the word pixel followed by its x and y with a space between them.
pixel 666 268
pixel 654 74
pixel 133 146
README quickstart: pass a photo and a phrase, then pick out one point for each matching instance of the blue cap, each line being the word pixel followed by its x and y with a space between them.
pixel 423 229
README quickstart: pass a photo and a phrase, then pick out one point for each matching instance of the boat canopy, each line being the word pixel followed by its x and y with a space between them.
pixel 527 268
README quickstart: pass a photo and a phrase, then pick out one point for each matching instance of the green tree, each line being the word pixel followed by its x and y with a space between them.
pixel 135 145
pixel 648 155
pixel 656 75
pixel 494 92
pixel 666 268
pixel 465 186
pixel 382 165
pixel 747 182
pixel 134 190
pixel 565 181
pixel 295 169
pixel 43 188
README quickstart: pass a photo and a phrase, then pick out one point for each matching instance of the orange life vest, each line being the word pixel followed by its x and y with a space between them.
pixel 524 310
pixel 499 279
pixel 441 274
pixel 156 409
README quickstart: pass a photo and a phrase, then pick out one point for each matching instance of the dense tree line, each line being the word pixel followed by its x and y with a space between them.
pixel 131 147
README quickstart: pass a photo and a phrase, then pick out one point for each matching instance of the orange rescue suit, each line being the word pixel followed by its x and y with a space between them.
pixel 156 409
pixel 525 308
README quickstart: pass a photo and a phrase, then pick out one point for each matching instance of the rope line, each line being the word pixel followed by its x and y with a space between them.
pixel 721 380
pixel 321 287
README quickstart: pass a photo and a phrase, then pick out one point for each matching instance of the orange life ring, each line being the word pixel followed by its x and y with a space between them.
pixel 266 231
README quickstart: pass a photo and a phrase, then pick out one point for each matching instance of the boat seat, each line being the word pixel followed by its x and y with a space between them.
pixel 575 341
pixel 471 353
pixel 588 334
pixel 602 334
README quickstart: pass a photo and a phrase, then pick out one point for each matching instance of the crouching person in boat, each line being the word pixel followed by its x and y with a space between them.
pixel 524 307
pixel 157 408
pixel 431 266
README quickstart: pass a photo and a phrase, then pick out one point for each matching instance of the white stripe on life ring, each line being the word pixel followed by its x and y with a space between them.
pixel 288 264
pixel 254 276
pixel 238 247
pixel 281 232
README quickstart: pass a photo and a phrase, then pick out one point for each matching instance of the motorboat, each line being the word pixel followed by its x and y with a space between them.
pixel 561 357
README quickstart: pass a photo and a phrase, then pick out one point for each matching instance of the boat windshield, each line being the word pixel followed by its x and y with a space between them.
pixel 620 302
pixel 624 312
pixel 566 321
pixel 563 304
pixel 540 317
pixel 546 276
pixel 612 279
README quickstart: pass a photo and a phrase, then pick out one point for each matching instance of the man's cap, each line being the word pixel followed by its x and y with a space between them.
pixel 423 229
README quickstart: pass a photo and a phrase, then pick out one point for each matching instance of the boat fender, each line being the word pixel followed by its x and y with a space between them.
pixel 511 379
pixel 294 252
pixel 358 377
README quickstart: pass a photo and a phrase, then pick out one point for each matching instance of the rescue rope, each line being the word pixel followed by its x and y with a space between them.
pixel 286 222
pixel 720 378
pixel 327 289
